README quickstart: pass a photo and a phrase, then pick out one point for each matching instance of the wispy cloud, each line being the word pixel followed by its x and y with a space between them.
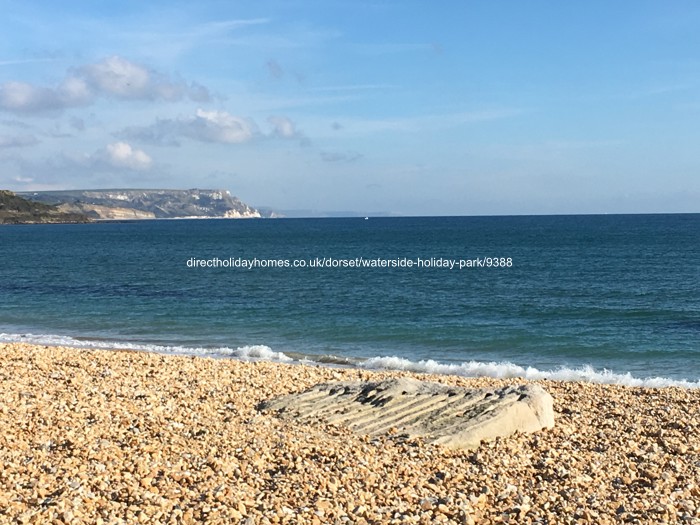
pixel 484 115
pixel 17 141
pixel 272 42
pixel 340 156
pixel 205 126
pixel 220 26
pixel 18 124
pixel 581 144
pixel 284 127
pixel 663 89
pixel 276 72
pixel 200 33
pixel 274 69
pixel 211 126
pixel 19 61
pixel 77 124
pixel 353 87
pixel 389 48
pixel 163 132
pixel 169 42
pixel 419 123
pixel 115 163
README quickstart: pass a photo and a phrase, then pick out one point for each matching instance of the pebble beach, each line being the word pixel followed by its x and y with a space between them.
pixel 121 437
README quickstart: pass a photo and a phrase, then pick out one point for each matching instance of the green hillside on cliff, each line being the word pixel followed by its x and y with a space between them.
pixel 106 204
pixel 17 210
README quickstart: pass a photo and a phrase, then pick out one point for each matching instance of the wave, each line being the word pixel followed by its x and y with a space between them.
pixel 586 374
pixel 505 369
pixel 248 352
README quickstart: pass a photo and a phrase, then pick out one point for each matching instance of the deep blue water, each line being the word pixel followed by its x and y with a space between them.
pixel 584 294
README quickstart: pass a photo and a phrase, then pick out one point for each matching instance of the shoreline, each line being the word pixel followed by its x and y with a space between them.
pixel 381 363
pixel 98 436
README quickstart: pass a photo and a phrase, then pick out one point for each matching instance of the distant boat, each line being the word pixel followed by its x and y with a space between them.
pixel 366 218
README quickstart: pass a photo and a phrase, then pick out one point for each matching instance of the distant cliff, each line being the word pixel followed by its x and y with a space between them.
pixel 148 204
pixel 16 210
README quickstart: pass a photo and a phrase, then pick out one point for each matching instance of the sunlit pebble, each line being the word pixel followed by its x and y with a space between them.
pixel 126 437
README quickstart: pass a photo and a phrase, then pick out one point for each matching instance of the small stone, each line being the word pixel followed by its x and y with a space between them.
pixel 70 450
pixel 426 504
pixel 360 510
pixel 680 449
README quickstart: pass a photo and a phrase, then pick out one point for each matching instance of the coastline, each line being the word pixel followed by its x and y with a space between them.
pixel 100 436
pixel 379 363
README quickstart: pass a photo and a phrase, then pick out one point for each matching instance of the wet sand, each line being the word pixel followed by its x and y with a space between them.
pixel 97 436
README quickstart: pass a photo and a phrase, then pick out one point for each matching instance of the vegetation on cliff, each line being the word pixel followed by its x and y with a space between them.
pixel 148 204
pixel 17 210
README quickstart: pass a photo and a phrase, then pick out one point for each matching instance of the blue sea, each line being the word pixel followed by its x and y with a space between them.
pixel 607 298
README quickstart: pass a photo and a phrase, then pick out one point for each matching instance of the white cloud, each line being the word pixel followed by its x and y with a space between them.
pixel 113 77
pixel 20 96
pixel 118 77
pixel 205 126
pixel 218 126
pixel 123 155
pixel 210 126
pixel 121 78
pixel 74 91
pixel 115 164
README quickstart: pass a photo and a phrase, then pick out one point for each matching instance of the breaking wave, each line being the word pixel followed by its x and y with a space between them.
pixel 466 369
pixel 507 370
pixel 248 352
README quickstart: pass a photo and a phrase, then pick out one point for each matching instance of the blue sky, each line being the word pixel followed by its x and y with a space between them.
pixel 406 107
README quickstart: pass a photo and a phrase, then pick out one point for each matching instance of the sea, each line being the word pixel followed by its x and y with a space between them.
pixel 597 298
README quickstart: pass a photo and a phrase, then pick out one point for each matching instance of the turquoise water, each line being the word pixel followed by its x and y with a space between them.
pixel 602 298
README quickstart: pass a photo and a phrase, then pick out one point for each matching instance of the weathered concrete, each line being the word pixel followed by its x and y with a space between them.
pixel 450 416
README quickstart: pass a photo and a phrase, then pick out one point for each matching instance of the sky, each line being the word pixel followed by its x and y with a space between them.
pixel 404 107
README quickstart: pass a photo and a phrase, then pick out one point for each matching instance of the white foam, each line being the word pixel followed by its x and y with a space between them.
pixel 41 339
pixel 261 352
pixel 252 352
pixel 506 370
pixel 467 369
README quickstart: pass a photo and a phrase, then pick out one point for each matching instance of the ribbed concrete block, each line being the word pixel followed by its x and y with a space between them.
pixel 449 416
